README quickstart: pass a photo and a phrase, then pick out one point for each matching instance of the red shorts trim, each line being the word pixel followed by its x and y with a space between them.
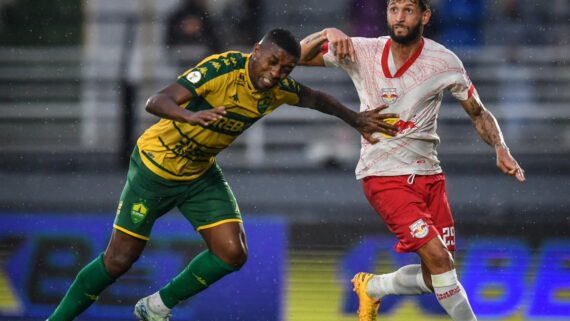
pixel 415 212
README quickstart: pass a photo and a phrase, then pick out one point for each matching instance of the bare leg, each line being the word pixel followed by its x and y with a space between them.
pixel 439 274
pixel 228 242
pixel 123 250
pixel 436 259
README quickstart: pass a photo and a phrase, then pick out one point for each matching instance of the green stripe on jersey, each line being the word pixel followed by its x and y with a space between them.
pixel 213 68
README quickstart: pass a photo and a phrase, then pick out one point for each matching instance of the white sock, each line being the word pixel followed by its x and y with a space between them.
pixel 155 304
pixel 408 280
pixel 452 297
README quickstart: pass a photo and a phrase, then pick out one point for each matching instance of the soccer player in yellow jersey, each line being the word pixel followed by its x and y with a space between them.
pixel 173 165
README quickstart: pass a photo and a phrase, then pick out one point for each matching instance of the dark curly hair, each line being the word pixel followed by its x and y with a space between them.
pixel 424 4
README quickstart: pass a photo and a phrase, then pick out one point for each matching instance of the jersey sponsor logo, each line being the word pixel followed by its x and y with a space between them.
pixel 419 229
pixel 194 77
pixel 230 126
pixel 138 212
pixel 403 125
pixel 389 95
pixel 194 151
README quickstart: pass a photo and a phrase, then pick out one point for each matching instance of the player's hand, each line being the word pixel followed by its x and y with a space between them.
pixel 507 163
pixel 206 117
pixel 341 43
pixel 372 121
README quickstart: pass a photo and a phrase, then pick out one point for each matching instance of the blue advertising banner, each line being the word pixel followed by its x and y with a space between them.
pixel 44 252
pixel 496 273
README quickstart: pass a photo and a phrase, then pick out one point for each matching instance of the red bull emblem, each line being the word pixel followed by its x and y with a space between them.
pixel 389 95
pixel 403 125
pixel 419 229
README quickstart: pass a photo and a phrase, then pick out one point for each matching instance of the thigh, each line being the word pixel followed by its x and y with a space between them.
pixel 442 217
pixel 227 241
pixel 403 208
pixel 139 207
pixel 210 202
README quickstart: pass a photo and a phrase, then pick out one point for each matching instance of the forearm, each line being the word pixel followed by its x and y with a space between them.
pixel 488 128
pixel 311 46
pixel 330 105
pixel 164 106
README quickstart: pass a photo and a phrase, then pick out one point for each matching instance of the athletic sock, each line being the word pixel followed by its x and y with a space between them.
pixel 84 291
pixel 408 280
pixel 451 296
pixel 155 304
pixel 203 270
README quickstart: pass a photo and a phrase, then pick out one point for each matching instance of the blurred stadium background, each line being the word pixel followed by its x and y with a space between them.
pixel 74 76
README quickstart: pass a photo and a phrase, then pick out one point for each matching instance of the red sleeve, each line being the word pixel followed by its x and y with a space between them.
pixel 471 90
pixel 325 48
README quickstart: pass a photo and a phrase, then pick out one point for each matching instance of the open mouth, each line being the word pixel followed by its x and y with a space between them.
pixel 400 28
pixel 267 82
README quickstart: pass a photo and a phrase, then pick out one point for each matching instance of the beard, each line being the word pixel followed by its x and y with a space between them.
pixel 414 34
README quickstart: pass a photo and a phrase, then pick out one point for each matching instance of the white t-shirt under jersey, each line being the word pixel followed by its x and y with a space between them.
pixel 414 92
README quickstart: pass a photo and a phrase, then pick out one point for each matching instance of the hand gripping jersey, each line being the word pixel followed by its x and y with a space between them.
pixel 180 151
pixel 414 92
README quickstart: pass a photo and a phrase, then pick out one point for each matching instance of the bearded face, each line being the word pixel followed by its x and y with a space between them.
pixel 406 20
pixel 405 34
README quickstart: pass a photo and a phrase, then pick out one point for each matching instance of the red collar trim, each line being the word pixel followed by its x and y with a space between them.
pixel 405 67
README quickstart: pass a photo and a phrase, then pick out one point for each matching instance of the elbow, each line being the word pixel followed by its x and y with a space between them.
pixel 150 104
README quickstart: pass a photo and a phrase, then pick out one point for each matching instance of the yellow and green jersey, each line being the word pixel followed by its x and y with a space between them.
pixel 182 152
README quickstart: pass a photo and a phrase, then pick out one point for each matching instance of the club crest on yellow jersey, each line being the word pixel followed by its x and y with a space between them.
pixel 264 103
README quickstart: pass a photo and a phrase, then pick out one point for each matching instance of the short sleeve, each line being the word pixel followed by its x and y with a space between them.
pixel 195 80
pixel 328 55
pixel 290 90
pixel 462 89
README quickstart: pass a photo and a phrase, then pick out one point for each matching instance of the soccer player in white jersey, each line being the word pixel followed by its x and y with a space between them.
pixel 401 175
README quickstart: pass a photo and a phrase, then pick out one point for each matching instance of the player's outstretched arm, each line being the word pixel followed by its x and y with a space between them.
pixel 311 54
pixel 488 128
pixel 366 123
pixel 165 104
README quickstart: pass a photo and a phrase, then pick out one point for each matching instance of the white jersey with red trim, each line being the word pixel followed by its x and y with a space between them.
pixel 415 92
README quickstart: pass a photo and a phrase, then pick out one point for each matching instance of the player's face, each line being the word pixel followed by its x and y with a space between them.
pixel 406 21
pixel 269 64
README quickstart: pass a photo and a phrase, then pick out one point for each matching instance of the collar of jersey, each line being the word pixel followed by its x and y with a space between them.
pixel 406 65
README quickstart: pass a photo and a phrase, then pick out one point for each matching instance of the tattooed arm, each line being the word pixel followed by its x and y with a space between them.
pixel 488 128
pixel 311 54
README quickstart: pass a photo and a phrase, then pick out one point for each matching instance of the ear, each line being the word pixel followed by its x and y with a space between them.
pixel 256 49
pixel 426 15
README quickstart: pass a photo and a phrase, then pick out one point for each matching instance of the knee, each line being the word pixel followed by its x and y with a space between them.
pixel 233 254
pixel 441 261
pixel 117 264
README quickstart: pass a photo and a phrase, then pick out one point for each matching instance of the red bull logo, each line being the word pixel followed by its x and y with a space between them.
pixel 419 229
pixel 389 95
pixel 403 125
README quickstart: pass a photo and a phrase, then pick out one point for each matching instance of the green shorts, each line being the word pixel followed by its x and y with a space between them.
pixel 206 202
